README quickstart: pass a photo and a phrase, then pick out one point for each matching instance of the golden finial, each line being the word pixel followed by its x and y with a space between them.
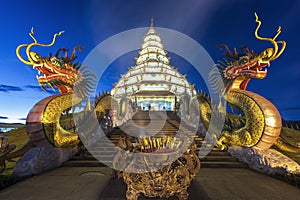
pixel 152 22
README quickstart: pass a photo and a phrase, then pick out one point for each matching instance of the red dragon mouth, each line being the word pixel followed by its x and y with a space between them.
pixel 53 73
pixel 252 69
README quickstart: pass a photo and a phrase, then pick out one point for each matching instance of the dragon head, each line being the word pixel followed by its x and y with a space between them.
pixel 57 71
pixel 246 64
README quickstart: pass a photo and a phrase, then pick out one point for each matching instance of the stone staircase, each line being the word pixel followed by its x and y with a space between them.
pixel 105 150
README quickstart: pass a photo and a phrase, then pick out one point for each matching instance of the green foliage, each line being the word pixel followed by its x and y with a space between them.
pixel 17 137
pixel 293 138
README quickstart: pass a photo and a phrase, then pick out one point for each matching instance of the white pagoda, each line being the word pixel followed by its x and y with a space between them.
pixel 153 83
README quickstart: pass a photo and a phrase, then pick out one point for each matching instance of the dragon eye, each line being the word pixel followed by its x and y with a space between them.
pixel 55 61
pixel 243 60
pixel 34 56
pixel 267 53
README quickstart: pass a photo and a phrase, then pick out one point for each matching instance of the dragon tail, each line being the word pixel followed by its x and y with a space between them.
pixel 283 145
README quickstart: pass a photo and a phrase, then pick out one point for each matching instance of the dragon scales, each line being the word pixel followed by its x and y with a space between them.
pixel 259 125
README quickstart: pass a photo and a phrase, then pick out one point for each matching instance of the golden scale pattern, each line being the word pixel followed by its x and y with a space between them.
pixel 54 132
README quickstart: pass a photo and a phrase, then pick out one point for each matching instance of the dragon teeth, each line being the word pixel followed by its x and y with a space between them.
pixel 37 76
pixel 257 70
pixel 266 70
pixel 248 67
pixel 39 72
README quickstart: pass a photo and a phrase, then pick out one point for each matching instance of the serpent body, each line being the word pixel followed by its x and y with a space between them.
pixel 259 125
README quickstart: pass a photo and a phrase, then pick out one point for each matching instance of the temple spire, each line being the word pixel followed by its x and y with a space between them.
pixel 152 48
pixel 88 105
pixel 152 22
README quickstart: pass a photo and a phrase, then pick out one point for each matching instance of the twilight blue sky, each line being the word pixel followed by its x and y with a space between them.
pixel 87 23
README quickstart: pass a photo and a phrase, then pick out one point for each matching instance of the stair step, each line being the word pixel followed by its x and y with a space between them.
pixel 217 153
pixel 83 163
pixel 82 157
pixel 214 164
pixel 215 158
pixel 219 158
pixel 214 149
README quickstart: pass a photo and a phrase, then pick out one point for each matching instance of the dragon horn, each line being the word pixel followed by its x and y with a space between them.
pixel 74 51
pixel 275 54
pixel 235 52
pixel 228 52
pixel 20 57
pixel 30 60
pixel 244 48
pixel 38 44
pixel 62 49
pixel 283 43
pixel 24 45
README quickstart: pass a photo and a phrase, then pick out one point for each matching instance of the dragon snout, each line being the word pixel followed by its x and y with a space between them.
pixel 266 56
pixel 35 57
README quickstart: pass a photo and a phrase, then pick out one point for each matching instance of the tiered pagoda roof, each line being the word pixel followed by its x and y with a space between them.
pixel 152 72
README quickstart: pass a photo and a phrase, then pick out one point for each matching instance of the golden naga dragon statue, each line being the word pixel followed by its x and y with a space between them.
pixel 74 82
pixel 46 121
pixel 259 125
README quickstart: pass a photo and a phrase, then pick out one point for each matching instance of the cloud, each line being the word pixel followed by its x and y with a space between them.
pixel 35 87
pixel 39 89
pixel 9 88
pixel 2 117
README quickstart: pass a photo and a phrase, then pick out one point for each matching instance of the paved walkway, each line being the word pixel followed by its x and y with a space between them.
pixel 98 183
